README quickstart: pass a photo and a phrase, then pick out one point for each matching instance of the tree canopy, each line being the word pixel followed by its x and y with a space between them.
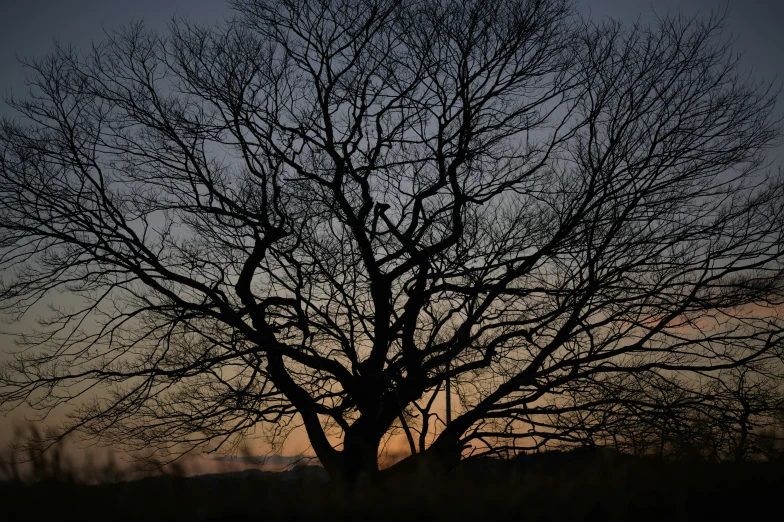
pixel 324 213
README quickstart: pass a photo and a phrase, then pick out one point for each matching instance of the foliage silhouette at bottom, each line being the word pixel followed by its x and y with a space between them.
pixel 552 487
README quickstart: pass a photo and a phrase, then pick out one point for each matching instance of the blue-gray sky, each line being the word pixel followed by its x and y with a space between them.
pixel 28 27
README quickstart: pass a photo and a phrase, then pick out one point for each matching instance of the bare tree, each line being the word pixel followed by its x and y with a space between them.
pixel 725 415
pixel 745 401
pixel 319 212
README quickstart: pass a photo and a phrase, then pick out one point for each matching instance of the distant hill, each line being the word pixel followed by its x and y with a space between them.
pixel 548 486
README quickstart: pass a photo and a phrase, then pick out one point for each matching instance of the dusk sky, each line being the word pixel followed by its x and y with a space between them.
pixel 28 29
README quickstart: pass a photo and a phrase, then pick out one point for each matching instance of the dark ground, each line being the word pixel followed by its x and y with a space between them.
pixel 552 487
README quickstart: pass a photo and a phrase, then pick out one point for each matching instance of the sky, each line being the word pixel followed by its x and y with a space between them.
pixel 29 28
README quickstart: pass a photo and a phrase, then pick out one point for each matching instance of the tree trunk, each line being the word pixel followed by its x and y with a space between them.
pixel 439 459
pixel 359 458
pixel 742 443
pixel 356 462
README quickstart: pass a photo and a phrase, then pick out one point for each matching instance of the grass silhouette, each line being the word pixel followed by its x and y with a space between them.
pixel 552 486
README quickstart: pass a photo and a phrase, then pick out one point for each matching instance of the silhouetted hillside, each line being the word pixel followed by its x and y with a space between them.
pixel 550 486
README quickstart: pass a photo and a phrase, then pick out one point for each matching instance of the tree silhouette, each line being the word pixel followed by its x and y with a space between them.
pixel 724 415
pixel 321 213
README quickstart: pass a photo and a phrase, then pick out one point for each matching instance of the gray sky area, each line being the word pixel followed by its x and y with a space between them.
pixel 28 28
